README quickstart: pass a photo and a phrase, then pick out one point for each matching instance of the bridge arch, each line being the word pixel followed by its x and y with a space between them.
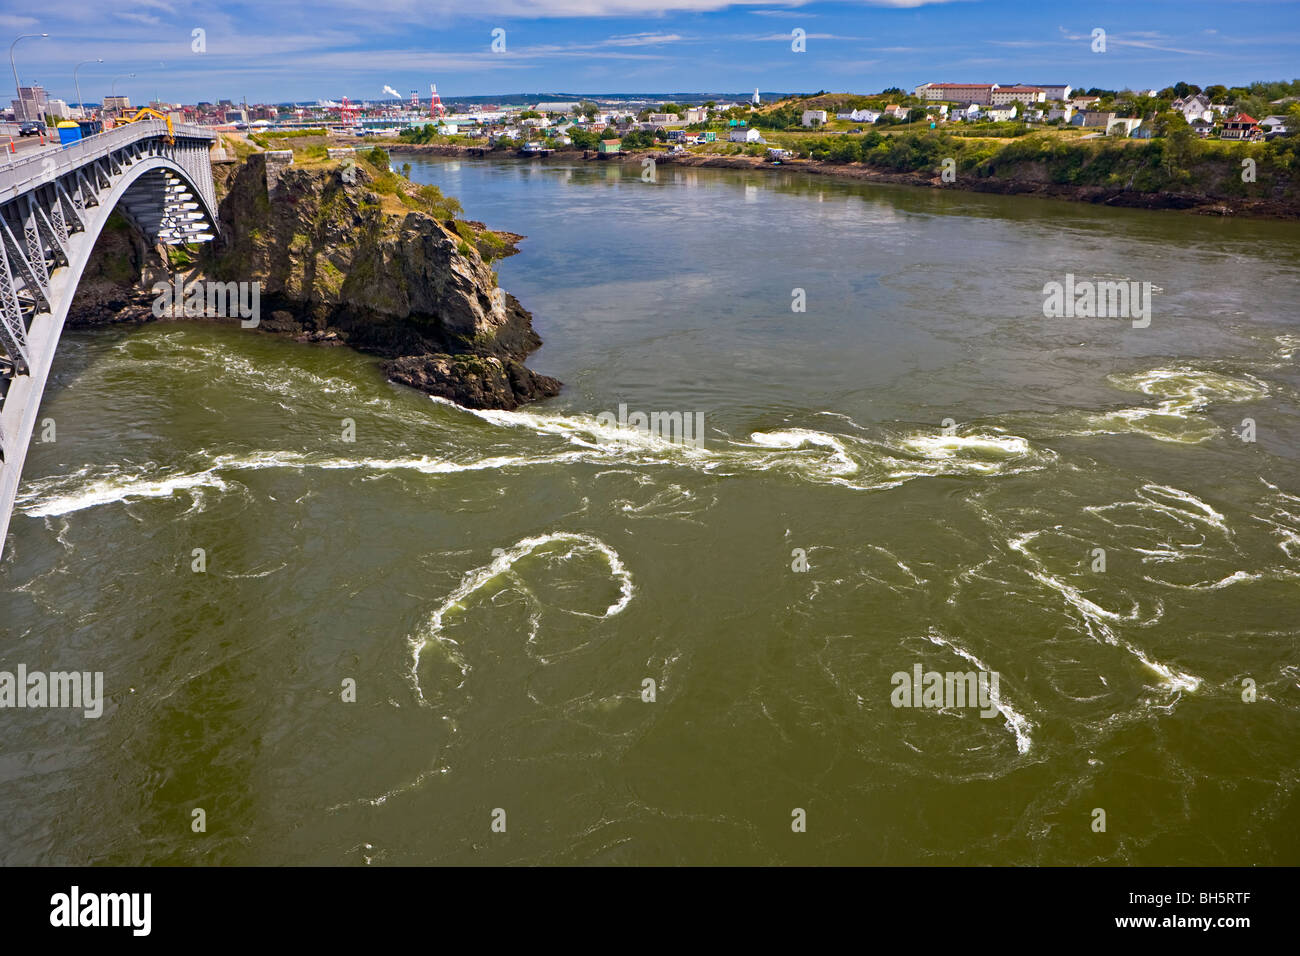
pixel 53 208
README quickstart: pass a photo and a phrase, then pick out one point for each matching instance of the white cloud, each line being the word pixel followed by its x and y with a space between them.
pixel 643 39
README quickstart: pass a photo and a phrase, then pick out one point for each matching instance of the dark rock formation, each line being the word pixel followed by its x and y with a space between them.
pixel 351 255
pixel 471 380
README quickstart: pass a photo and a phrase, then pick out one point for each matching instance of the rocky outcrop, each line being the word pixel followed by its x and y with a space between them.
pixel 471 380
pixel 348 253
pixel 365 255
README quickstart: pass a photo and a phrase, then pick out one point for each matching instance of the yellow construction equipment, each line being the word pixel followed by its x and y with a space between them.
pixel 149 111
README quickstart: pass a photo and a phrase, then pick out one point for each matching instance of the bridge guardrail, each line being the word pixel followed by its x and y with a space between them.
pixel 17 176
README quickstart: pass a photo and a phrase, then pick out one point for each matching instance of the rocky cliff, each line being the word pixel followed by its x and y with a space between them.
pixel 348 252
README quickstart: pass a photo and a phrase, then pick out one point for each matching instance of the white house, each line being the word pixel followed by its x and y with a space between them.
pixel 1056 92
pixel 1123 126
pixel 746 135
pixel 966 113
pixel 1060 113
pixel 862 116
pixel 1195 107
pixel 1274 125
pixel 697 115
pixel 1000 114
pixel 814 118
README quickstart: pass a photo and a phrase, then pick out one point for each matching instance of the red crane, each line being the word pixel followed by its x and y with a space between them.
pixel 348 113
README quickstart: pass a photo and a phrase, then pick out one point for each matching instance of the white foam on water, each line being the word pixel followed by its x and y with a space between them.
pixel 1097 620
pixel 955 446
pixel 422 463
pixel 117 488
pixel 1017 723
pixel 1236 577
pixel 479 578
pixel 839 461
pixel 1284 522
pixel 818 457
pixel 1182 395
pixel 1182 506
pixel 1288 345
pixel 858 463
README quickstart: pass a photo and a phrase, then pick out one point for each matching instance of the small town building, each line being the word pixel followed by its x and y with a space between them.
pixel 1241 126
pixel 1197 106
pixel 981 93
pixel 1054 92
pixel 1274 126
pixel 1098 119
pixel 1001 95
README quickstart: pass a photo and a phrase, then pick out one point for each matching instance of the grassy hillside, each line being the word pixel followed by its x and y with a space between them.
pixel 1171 164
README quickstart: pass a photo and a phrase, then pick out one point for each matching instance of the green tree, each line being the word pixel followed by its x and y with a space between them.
pixel 584 138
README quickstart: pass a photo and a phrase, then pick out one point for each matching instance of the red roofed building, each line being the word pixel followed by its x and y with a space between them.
pixel 1241 126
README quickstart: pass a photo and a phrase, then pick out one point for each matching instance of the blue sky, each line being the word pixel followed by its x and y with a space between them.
pixel 273 51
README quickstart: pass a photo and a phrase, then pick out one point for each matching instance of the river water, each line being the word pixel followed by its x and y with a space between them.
pixel 501 586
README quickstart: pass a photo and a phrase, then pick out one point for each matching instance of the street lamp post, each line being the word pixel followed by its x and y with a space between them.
pixel 17 86
pixel 80 102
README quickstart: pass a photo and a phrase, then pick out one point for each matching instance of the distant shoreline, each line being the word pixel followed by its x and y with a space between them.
pixel 1198 203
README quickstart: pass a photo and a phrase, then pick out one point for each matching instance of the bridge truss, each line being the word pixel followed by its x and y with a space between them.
pixel 53 207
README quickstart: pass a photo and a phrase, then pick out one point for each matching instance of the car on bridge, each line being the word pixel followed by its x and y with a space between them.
pixel 31 128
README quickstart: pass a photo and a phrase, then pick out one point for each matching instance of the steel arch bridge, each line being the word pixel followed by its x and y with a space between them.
pixel 52 209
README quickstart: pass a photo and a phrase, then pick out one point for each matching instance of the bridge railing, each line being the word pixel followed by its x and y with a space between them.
pixel 17 176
